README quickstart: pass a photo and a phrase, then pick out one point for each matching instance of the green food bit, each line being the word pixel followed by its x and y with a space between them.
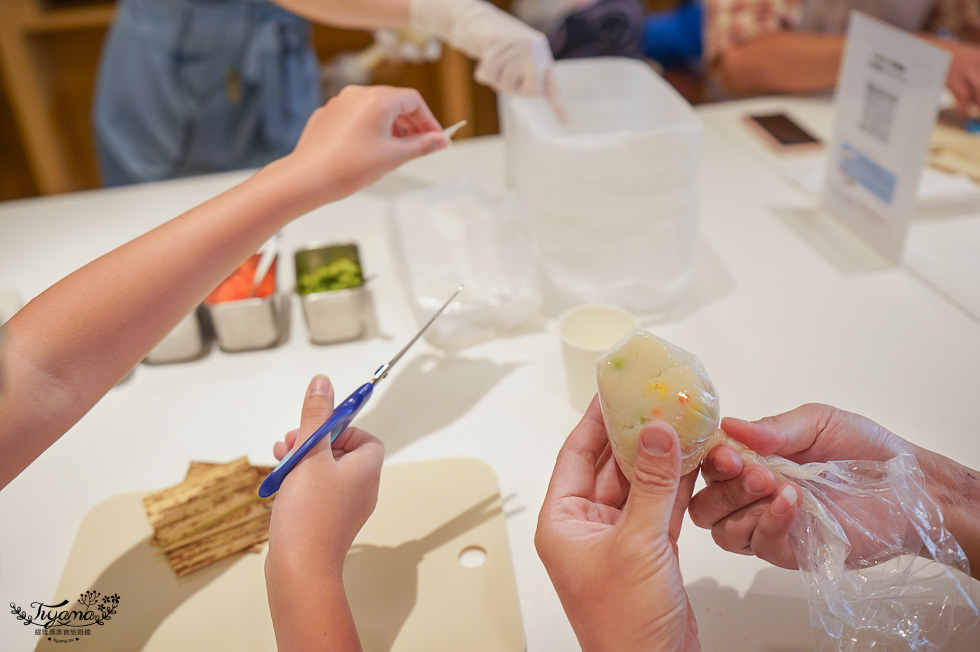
pixel 617 363
pixel 643 420
pixel 340 274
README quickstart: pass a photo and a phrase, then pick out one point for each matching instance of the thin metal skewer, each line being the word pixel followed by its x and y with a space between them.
pixel 383 369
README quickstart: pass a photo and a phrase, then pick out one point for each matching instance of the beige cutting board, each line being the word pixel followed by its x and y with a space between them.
pixel 407 586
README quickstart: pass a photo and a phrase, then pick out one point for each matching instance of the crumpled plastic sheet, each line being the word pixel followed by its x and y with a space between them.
pixel 881 570
pixel 455 234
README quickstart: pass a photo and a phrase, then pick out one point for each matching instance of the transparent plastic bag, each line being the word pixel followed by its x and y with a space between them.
pixel 455 233
pixel 880 568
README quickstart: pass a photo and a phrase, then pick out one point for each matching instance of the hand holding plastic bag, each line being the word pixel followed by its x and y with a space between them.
pixel 808 434
pixel 867 535
pixel 512 57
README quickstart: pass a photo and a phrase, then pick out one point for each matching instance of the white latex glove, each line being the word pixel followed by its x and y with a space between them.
pixel 512 57
pixel 406 46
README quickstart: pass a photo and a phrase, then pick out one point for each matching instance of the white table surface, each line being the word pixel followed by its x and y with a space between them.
pixel 943 245
pixel 776 322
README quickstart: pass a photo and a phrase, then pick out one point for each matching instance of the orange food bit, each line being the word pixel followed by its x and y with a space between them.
pixel 239 284
pixel 656 412
pixel 683 398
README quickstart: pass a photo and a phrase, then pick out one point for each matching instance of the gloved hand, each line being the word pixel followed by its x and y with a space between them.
pixel 512 57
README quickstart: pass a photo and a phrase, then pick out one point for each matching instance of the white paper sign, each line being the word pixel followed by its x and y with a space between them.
pixel 885 109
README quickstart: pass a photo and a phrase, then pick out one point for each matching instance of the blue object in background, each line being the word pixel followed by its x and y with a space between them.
pixel 973 126
pixel 673 38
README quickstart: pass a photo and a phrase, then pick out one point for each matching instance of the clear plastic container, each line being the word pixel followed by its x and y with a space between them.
pixel 611 197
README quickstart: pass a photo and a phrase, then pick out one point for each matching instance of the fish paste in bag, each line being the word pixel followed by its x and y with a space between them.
pixel 643 378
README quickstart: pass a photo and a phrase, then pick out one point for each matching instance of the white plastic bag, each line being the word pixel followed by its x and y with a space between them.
pixel 452 234
pixel 611 197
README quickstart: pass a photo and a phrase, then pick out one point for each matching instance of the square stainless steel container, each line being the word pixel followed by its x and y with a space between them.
pixel 334 315
pixel 187 341
pixel 246 324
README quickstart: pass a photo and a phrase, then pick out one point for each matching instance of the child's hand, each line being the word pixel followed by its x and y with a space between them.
pixel 328 496
pixel 319 509
pixel 611 548
pixel 360 135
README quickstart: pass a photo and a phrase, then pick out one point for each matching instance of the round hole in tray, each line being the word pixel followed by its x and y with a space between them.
pixel 472 556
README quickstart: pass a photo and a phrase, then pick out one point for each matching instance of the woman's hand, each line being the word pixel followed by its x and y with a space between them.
pixel 611 549
pixel 963 76
pixel 744 508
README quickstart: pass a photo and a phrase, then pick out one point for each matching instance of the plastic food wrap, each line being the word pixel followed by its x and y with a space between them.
pixel 867 537
pixel 644 378
pixel 453 234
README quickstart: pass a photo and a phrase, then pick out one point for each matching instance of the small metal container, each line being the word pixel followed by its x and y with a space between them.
pixel 187 341
pixel 246 324
pixel 334 315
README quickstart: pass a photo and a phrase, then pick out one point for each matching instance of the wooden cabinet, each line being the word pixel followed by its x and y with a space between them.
pixel 48 55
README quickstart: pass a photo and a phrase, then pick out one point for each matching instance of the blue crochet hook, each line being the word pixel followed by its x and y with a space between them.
pixel 343 415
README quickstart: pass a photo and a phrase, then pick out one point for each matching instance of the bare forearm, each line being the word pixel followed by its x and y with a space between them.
pixel 359 14
pixel 782 62
pixel 72 343
pixel 957 489
pixel 309 608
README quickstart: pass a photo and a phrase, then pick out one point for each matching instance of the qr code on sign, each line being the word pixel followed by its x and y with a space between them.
pixel 879 112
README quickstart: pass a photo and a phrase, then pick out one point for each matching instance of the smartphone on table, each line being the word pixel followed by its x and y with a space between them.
pixel 782 133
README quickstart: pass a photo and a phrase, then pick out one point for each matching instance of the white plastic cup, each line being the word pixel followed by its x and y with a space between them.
pixel 586 333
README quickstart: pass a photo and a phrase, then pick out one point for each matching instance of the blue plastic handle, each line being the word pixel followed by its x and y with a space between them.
pixel 336 424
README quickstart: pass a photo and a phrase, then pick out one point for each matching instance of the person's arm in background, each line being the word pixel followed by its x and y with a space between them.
pixel 72 343
pixel 756 47
pixel 748 513
pixel 511 56
pixel 802 62
pixel 781 62
pixel 309 536
pixel 963 78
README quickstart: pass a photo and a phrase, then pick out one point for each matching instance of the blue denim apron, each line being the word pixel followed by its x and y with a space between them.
pixel 194 86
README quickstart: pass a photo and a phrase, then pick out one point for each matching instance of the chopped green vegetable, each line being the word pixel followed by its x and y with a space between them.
pixel 617 363
pixel 339 274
